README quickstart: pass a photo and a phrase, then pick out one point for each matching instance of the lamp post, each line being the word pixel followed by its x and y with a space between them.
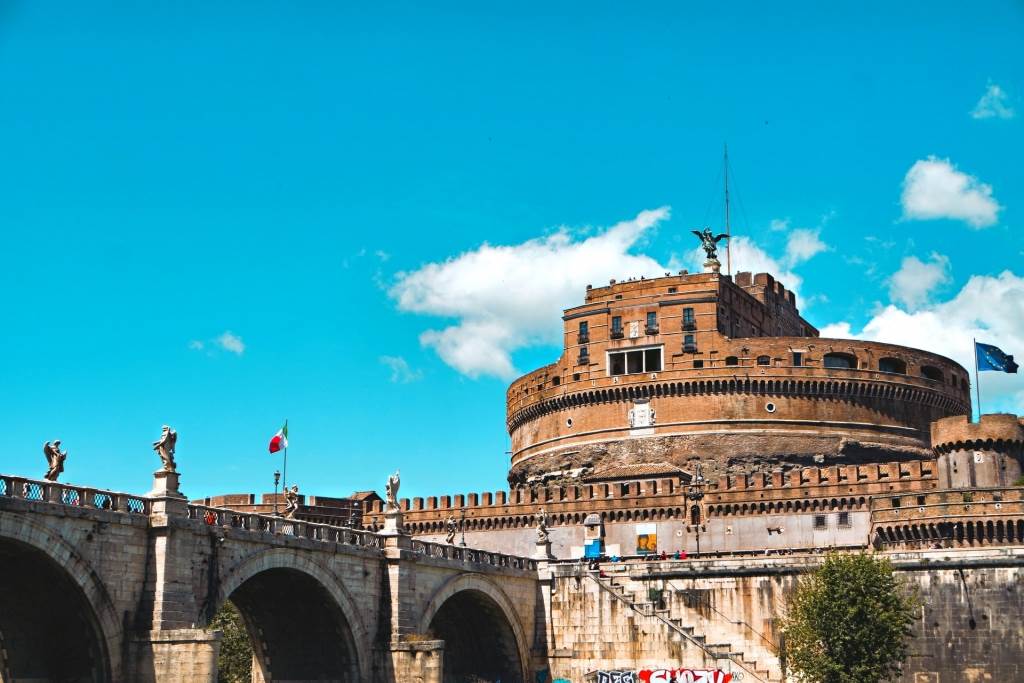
pixel 696 493
pixel 462 525
pixel 277 480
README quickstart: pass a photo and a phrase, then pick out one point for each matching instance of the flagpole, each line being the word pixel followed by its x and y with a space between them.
pixel 977 378
pixel 286 455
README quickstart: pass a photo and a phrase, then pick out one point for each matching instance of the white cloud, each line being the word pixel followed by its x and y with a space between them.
pixel 989 309
pixel 196 345
pixel 995 103
pixel 401 373
pixel 803 244
pixel 507 297
pixel 231 342
pixel 934 188
pixel 913 284
pixel 779 224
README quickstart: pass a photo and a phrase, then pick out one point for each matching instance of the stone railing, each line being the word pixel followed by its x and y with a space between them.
pixel 455 552
pixel 221 517
pixel 75 496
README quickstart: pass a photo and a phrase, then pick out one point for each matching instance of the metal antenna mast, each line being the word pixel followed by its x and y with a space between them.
pixel 728 243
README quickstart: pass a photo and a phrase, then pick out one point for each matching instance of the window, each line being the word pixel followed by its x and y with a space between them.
pixel 584 355
pixel 764 360
pixel 672 290
pixel 575 377
pixel 689 344
pixel 840 361
pixel 844 519
pixel 896 501
pixel 695 515
pixel 652 322
pixel 820 522
pixel 920 500
pixel 732 360
pixel 893 365
pixel 584 336
pixel 634 361
pixel 555 381
pixel 616 326
pixel 689 322
pixel 798 359
pixel 931 373
pixel 698 364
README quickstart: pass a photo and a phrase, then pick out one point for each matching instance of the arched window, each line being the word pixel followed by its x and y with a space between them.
pixel 841 361
pixel 732 360
pixel 695 515
pixel 931 373
pixel 893 365
pixel 764 360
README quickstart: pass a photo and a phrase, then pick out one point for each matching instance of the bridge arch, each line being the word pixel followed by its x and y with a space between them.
pixel 301 620
pixel 53 601
pixel 463 609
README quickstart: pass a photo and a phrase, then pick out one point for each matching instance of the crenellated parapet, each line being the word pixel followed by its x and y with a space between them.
pixel 979 454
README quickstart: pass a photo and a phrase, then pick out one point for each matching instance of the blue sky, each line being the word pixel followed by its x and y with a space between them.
pixel 220 215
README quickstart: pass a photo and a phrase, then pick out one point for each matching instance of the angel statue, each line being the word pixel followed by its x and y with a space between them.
pixel 449 530
pixel 164 447
pixel 291 501
pixel 54 460
pixel 391 490
pixel 542 527
pixel 709 242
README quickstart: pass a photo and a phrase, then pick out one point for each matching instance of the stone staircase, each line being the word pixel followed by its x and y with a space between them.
pixel 756 661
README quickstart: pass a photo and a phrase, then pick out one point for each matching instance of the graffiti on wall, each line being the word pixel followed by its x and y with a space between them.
pixel 667 676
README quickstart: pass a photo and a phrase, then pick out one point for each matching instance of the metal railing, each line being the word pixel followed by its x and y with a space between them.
pixel 455 552
pixel 222 517
pixel 75 496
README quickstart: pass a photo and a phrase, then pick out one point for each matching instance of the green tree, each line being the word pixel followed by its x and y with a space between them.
pixel 848 622
pixel 234 663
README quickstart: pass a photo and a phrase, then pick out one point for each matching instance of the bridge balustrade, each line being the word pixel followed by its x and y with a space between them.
pixel 76 496
pixel 455 552
pixel 280 525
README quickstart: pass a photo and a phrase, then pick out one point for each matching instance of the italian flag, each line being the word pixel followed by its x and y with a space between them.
pixel 280 440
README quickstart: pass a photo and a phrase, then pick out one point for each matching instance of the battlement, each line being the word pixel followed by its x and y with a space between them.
pixel 808 482
pixel 958 432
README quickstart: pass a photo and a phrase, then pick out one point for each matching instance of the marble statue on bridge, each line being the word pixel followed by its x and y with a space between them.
pixel 164 447
pixel 291 501
pixel 449 530
pixel 391 490
pixel 54 460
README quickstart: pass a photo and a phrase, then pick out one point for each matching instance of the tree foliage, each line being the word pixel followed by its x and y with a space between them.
pixel 234 663
pixel 848 622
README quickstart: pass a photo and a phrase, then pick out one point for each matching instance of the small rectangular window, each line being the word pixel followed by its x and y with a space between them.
pixel 698 364
pixel 688 315
pixel 634 362
pixel 575 377
pixel 896 501
pixel 584 328
pixel 920 500
pixel 820 522
pixel 652 360
pixel 672 290
pixel 652 320
pixel 798 359
pixel 844 519
pixel 616 323
pixel 555 381
pixel 618 363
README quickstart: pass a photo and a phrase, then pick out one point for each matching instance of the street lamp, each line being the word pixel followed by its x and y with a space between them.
pixel 696 493
pixel 277 480
pixel 462 525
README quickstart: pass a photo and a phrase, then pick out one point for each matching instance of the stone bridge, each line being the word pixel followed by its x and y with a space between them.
pixel 101 586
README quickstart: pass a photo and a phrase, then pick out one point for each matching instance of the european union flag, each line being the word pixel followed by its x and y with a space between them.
pixel 992 358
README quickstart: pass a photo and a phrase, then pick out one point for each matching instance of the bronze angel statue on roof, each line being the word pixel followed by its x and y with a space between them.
pixel 709 241
pixel 54 460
